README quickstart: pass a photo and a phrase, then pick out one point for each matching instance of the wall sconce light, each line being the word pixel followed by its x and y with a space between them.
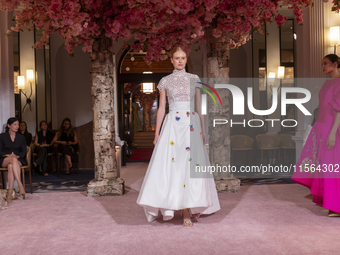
pixel 281 72
pixel 334 37
pixel 271 78
pixel 21 85
pixel 147 88
pixel 21 82
pixel 30 75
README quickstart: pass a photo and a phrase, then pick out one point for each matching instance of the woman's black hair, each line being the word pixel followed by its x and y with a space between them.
pixel 10 121
pixel 333 58
pixel 314 120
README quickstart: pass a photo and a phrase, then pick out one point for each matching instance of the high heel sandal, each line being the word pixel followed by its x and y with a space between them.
pixel 186 223
pixel 69 168
pixel 21 195
pixel 333 214
pixel 196 215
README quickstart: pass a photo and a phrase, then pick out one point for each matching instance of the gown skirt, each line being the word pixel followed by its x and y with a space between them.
pixel 168 185
pixel 318 167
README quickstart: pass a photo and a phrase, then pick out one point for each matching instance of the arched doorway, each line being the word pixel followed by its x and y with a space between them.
pixel 133 71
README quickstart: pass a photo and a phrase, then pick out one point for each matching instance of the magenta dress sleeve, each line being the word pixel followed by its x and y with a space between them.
pixel 335 103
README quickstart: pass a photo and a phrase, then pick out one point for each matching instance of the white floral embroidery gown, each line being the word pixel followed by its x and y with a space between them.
pixel 167 184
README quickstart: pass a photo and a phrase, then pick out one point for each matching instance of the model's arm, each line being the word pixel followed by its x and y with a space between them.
pixel 36 140
pixel 56 137
pixel 331 137
pixel 160 114
pixel 199 111
pixel 75 138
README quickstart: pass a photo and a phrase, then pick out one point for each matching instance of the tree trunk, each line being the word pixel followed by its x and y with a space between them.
pixel 219 136
pixel 106 181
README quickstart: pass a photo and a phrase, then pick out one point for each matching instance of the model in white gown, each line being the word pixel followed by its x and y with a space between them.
pixel 167 184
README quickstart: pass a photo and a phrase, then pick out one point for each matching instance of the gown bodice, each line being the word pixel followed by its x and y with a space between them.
pixel 329 101
pixel 180 88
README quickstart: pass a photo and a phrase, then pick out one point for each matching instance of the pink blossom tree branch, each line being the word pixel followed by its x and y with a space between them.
pixel 157 25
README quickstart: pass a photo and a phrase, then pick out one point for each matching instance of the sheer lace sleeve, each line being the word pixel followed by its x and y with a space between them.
pixel 197 80
pixel 161 84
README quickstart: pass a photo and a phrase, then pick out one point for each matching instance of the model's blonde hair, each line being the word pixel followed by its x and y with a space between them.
pixel 175 49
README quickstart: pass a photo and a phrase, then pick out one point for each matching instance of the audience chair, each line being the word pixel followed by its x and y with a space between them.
pixel 240 143
pixel 268 143
pixel 287 143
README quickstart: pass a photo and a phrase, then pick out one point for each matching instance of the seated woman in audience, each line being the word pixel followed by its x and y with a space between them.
pixel 43 142
pixel 66 137
pixel 24 132
pixel 12 155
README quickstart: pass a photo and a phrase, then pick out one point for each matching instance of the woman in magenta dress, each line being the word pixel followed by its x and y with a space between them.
pixel 318 167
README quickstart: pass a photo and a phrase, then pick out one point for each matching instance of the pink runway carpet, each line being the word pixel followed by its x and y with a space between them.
pixel 260 219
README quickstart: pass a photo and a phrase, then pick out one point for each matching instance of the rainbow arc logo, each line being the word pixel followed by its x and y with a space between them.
pixel 204 97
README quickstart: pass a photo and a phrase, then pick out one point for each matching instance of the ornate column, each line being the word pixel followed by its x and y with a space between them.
pixel 219 136
pixel 106 180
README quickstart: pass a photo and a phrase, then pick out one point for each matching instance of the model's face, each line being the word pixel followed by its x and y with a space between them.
pixel 179 60
pixel 14 126
pixel 22 126
pixel 43 126
pixel 328 66
pixel 66 125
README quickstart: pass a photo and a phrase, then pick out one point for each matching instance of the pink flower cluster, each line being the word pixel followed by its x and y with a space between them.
pixel 336 5
pixel 156 25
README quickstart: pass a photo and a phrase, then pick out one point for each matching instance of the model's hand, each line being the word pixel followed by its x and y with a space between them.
pixel 331 140
pixel 63 142
pixel 156 139
pixel 204 137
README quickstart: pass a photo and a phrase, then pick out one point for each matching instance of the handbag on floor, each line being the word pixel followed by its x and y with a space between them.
pixel 3 193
